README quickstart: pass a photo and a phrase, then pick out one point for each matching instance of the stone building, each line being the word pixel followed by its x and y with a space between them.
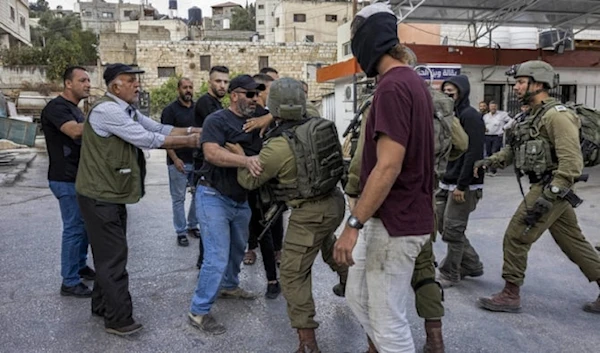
pixel 285 21
pixel 163 59
pixel 14 23
pixel 100 15
pixel 222 13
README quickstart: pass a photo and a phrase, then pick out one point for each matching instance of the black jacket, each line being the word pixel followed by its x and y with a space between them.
pixel 460 172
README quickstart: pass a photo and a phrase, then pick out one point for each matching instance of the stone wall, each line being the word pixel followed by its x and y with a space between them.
pixel 117 47
pixel 297 60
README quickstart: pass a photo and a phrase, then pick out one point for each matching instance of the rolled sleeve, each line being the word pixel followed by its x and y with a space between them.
pixel 109 119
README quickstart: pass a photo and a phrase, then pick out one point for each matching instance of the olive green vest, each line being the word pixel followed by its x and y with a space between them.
pixel 110 169
pixel 534 153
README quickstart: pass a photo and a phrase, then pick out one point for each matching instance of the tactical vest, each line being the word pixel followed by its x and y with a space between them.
pixel 533 153
pixel 110 169
pixel 318 155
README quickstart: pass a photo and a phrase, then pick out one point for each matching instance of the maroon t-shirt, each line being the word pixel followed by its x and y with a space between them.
pixel 403 110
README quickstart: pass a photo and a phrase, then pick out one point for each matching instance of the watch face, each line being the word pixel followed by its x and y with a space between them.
pixel 555 189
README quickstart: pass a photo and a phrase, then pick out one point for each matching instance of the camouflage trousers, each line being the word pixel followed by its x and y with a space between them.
pixel 311 228
pixel 562 223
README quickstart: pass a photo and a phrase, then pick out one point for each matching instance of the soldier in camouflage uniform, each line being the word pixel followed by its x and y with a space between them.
pixel 428 296
pixel 312 221
pixel 545 147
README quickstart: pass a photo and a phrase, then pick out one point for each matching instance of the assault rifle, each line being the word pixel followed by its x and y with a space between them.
pixel 271 216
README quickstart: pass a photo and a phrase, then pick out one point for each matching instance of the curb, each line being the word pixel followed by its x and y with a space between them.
pixel 21 167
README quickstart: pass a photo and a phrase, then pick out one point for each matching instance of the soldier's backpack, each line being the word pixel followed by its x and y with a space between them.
pixel 318 154
pixel 443 121
pixel 589 133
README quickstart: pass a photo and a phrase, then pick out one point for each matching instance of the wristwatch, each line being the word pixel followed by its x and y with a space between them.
pixel 353 222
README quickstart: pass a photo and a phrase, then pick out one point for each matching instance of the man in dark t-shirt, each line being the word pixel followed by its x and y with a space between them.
pixel 180 162
pixel 222 202
pixel 218 81
pixel 62 123
pixel 396 202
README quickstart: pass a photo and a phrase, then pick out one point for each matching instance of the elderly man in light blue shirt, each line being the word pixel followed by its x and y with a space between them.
pixel 111 174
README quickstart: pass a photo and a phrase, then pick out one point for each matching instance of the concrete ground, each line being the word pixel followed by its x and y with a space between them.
pixel 35 318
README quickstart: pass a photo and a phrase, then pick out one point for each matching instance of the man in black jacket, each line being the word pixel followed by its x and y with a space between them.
pixel 459 191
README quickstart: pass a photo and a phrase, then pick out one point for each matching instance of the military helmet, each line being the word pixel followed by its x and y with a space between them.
pixel 539 71
pixel 287 99
pixel 411 57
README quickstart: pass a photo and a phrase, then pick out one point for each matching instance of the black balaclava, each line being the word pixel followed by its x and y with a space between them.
pixel 374 33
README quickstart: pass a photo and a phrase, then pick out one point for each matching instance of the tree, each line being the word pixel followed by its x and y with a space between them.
pixel 57 43
pixel 244 19
pixel 38 7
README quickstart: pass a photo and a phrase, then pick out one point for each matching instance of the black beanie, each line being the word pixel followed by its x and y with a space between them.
pixel 373 37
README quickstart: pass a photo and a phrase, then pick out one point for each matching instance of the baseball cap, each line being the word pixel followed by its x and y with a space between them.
pixel 245 82
pixel 113 70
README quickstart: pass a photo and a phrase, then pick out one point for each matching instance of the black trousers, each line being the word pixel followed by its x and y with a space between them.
pixel 266 243
pixel 106 226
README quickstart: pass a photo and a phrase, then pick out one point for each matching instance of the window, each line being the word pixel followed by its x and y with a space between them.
pixel 331 18
pixel 107 15
pixel 126 13
pixel 22 19
pixel 277 22
pixel 166 71
pixel 12 14
pixel 310 38
pixel 494 93
pixel 263 61
pixel 87 14
pixel 205 62
pixel 261 22
pixel 260 36
pixel 299 17
pixel 261 7
pixel 217 22
pixel 346 48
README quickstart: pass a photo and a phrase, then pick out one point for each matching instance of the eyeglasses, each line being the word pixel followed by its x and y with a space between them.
pixel 249 94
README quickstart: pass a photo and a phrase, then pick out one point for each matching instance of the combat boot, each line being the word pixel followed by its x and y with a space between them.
pixel 435 339
pixel 308 342
pixel 593 307
pixel 507 301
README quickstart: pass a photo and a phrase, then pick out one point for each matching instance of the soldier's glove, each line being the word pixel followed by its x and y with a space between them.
pixel 540 208
pixel 483 163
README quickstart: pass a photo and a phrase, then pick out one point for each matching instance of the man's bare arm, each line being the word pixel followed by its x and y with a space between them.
pixel 72 129
pixel 175 142
pixel 390 156
pixel 221 157
pixel 183 131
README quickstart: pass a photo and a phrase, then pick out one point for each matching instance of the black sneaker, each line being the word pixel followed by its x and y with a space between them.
pixel 87 273
pixel 193 233
pixel 273 290
pixel 80 291
pixel 126 330
pixel 182 240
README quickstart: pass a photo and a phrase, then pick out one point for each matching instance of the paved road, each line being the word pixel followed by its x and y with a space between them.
pixel 35 318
